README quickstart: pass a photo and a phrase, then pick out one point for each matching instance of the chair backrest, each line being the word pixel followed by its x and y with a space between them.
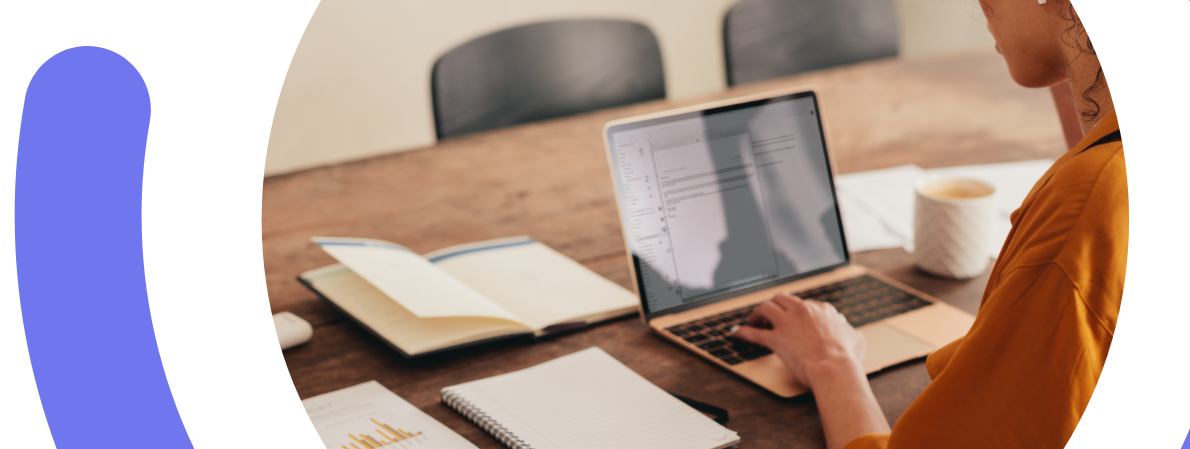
pixel 766 39
pixel 544 70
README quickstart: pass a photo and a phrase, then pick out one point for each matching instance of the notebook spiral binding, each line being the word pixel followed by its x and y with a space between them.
pixel 485 422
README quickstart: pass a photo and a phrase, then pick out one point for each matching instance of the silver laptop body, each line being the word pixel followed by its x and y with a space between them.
pixel 724 205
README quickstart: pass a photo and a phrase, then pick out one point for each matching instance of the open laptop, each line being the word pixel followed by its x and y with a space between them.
pixel 724 205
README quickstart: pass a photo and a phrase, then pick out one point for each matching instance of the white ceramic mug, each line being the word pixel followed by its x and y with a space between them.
pixel 954 222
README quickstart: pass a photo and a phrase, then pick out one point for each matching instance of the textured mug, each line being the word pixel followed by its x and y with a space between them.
pixel 953 224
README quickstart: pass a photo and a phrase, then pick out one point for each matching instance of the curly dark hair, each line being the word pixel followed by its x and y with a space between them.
pixel 1071 38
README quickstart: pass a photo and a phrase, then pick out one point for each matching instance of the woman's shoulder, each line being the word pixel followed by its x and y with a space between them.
pixel 1097 243
pixel 1084 197
pixel 1079 221
pixel 1099 165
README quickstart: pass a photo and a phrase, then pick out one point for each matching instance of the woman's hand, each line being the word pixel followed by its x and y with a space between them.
pixel 811 337
pixel 825 354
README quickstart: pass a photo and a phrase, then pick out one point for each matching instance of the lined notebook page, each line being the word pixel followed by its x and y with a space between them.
pixel 590 400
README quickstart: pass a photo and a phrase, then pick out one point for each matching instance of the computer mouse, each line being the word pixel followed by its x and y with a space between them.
pixel 292 330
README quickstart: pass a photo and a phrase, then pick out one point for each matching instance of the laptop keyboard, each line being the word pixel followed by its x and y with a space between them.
pixel 861 300
pixel 711 335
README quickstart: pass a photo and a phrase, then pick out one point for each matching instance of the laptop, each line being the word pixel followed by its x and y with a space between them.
pixel 724 205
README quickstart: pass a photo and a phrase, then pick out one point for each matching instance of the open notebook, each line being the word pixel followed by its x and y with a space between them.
pixel 585 400
pixel 464 294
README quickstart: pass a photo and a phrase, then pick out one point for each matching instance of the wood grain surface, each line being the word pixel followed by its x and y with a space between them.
pixel 550 180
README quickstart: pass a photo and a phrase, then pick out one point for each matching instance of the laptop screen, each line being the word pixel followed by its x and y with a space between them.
pixel 722 201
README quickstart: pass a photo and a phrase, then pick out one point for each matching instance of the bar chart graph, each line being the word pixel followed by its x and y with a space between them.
pixel 375 430
pixel 369 416
pixel 388 436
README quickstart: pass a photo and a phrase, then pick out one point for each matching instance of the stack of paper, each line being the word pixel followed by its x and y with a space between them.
pixel 877 205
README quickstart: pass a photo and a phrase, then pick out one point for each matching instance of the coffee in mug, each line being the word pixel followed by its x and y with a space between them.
pixel 957 188
pixel 954 223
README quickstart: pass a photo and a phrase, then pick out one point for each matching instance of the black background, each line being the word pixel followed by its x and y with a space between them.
pixel 214 72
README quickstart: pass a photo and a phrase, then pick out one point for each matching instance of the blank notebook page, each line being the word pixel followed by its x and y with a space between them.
pixel 590 400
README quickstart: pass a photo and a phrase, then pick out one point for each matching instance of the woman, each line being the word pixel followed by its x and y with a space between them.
pixel 1024 373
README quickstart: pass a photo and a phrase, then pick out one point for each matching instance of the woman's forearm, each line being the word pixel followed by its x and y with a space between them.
pixel 845 403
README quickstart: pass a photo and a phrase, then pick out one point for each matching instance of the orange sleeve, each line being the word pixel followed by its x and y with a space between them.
pixel 934 365
pixel 869 441
pixel 1029 363
pixel 937 361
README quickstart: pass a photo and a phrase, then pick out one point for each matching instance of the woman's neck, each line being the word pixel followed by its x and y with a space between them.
pixel 1081 70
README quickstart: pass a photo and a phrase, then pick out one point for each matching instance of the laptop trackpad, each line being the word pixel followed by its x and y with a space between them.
pixel 888 346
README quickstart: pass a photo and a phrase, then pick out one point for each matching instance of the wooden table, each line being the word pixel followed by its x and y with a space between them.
pixel 550 180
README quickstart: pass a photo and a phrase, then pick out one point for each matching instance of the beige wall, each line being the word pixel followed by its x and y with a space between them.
pixel 939 26
pixel 360 78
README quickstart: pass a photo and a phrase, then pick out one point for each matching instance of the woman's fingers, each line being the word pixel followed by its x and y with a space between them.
pixel 753 335
pixel 827 308
pixel 765 314
pixel 788 302
pixel 774 310
pixel 824 308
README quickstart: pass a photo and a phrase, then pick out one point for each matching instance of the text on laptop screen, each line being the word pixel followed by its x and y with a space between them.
pixel 728 199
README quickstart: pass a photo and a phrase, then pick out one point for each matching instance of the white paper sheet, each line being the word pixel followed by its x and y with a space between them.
pixel 540 286
pixel 886 194
pixel 886 197
pixel 370 413
pixel 410 279
pixel 863 229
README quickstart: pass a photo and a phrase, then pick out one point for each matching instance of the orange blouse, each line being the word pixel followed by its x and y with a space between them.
pixel 1024 373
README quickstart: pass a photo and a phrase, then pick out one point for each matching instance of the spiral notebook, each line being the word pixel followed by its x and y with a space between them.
pixel 583 400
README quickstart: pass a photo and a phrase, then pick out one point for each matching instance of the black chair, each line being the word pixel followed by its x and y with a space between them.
pixel 544 70
pixel 766 39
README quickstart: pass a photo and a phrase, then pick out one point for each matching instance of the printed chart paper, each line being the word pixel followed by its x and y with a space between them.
pixel 369 416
